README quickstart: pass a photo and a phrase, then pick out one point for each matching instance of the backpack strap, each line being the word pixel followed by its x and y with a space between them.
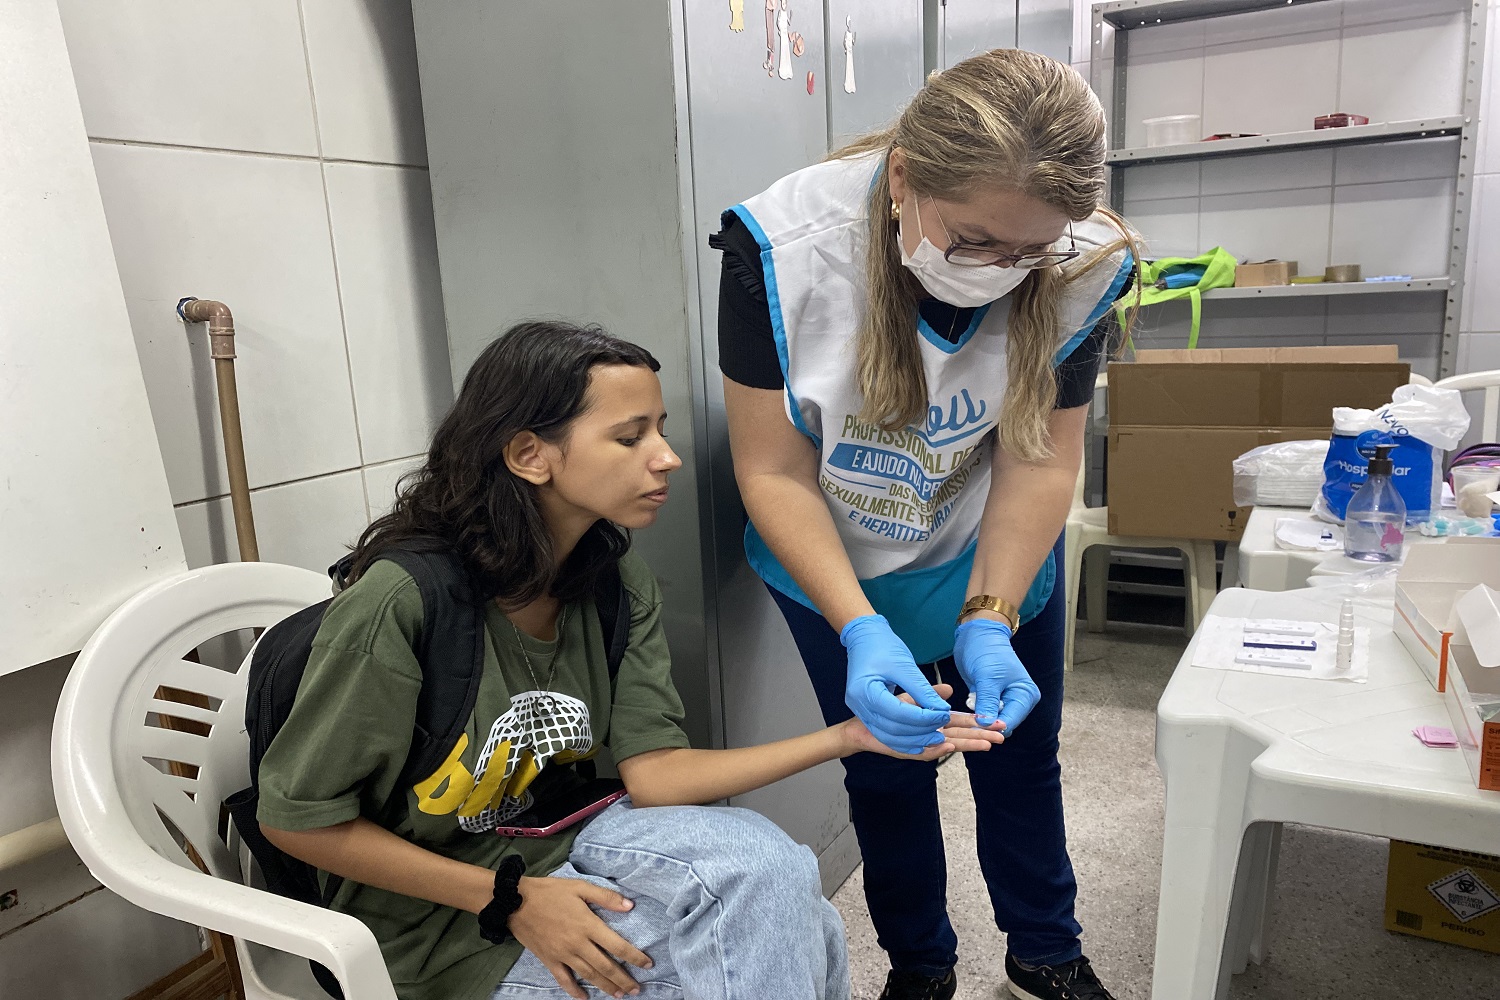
pixel 450 651
pixel 613 604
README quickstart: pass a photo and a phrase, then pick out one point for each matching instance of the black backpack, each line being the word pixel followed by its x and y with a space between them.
pixel 450 651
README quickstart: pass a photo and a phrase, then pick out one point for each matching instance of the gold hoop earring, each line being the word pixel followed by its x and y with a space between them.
pixel 895 210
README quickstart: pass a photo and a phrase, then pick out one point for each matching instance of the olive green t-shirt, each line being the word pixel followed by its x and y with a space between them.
pixel 342 749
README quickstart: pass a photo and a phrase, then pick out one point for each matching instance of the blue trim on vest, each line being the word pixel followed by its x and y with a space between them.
pixel 920 604
pixel 1105 304
pixel 943 345
pixel 778 324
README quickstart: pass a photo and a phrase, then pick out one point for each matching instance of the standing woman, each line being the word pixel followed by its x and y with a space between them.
pixel 909 334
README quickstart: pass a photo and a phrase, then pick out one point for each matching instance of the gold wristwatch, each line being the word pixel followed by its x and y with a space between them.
pixel 999 605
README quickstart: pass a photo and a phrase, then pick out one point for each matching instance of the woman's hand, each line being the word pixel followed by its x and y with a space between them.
pixel 994 673
pixel 879 662
pixel 555 923
pixel 961 735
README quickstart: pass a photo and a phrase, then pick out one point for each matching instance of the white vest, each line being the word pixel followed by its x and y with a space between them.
pixel 907 504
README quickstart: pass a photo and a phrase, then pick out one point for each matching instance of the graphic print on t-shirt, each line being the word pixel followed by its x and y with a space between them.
pixel 539 728
pixel 902 484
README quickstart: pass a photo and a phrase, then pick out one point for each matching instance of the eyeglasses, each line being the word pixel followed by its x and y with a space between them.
pixel 964 254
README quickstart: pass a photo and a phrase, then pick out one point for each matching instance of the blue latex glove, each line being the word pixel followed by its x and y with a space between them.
pixel 879 662
pixel 990 667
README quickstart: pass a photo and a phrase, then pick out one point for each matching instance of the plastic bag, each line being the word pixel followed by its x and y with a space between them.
pixel 1421 422
pixel 1286 474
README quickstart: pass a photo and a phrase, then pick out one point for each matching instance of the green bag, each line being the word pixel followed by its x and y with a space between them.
pixel 1217 271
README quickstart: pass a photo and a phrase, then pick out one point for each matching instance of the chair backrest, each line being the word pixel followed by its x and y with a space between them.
pixel 147 743
pixel 1489 384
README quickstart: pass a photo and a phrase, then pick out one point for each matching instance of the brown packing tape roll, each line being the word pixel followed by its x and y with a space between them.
pixel 1342 272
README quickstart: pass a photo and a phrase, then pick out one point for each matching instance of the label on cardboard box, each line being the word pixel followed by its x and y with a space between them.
pixel 1444 895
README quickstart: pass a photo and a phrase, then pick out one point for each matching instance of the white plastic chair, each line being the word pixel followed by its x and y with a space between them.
pixel 1488 383
pixel 1088 527
pixel 127 813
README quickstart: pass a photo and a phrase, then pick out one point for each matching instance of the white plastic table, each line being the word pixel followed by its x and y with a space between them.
pixel 1243 753
pixel 1265 566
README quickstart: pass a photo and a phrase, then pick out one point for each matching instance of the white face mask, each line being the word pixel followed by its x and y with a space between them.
pixel 965 287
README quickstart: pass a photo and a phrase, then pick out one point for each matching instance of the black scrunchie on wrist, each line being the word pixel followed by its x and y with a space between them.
pixel 494 919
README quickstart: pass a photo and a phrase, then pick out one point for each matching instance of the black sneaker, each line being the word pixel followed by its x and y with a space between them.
pixel 1073 980
pixel 915 986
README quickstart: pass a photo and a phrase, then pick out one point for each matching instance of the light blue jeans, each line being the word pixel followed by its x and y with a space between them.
pixel 727 906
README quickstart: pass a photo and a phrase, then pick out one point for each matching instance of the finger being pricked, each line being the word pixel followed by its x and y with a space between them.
pixel 971 738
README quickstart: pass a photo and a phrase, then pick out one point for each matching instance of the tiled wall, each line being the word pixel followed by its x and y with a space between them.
pixel 271 155
pixel 1385 207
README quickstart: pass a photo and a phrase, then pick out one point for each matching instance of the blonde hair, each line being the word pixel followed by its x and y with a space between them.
pixel 1006 118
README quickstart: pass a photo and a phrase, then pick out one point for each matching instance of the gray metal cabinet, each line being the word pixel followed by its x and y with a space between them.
pixel 875 48
pixel 580 155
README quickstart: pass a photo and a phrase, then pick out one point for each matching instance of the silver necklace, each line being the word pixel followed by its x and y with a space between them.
pixel 562 620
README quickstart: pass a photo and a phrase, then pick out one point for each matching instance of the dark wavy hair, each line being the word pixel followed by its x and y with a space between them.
pixel 533 377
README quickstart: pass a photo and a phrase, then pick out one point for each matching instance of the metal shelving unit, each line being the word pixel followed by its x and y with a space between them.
pixel 1330 288
pixel 1127 16
pixel 1354 135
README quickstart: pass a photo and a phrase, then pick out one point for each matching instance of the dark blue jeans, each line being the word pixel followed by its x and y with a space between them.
pixel 1017 788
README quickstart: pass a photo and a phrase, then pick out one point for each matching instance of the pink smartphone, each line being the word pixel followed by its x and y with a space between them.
pixel 562 811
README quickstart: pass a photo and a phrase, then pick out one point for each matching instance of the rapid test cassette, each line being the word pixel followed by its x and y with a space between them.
pixel 1280 626
pixel 1283 659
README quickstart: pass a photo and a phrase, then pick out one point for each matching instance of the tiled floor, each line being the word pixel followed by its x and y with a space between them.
pixel 1326 940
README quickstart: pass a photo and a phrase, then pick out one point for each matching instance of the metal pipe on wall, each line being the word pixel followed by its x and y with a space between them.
pixel 32 842
pixel 221 347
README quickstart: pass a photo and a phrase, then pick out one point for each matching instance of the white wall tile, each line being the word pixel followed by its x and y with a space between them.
pixel 363 56
pixel 1184 36
pixel 1270 86
pixel 100 946
pixel 309 523
pixel 381 482
pixel 1288 225
pixel 1482 281
pixel 1488 157
pixel 1169 225
pixel 1278 24
pixel 1400 161
pixel 1396 228
pixel 1166 84
pixel 386 250
pixel 1377 317
pixel 1430 81
pixel 1309 168
pixel 1358 12
pixel 253 232
pixel 1233 323
pixel 1479 352
pixel 1161 180
pixel 225 75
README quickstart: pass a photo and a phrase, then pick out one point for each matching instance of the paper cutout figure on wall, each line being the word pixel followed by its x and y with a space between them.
pixel 770 64
pixel 736 15
pixel 809 83
pixel 784 43
pixel 849 54
pixel 799 44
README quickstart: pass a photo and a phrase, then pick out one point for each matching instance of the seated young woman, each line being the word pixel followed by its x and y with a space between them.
pixel 554 449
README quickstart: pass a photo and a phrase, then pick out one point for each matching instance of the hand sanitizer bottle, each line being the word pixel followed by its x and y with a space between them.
pixel 1374 525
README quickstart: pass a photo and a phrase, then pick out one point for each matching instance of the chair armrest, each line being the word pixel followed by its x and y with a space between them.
pixel 341 942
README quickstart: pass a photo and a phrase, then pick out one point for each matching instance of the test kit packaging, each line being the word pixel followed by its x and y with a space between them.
pixel 1265 273
pixel 1178 419
pixel 1443 895
pixel 1430 589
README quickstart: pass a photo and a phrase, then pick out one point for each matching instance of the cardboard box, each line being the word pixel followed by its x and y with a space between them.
pixel 1443 895
pixel 1179 419
pixel 1267 272
pixel 1452 655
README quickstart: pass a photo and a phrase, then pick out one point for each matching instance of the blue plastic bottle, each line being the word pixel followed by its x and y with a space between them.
pixel 1375 523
